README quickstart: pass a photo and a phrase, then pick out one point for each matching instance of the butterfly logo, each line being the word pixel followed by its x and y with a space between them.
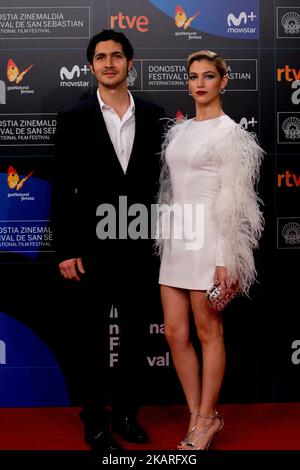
pixel 181 20
pixel 13 73
pixel 13 179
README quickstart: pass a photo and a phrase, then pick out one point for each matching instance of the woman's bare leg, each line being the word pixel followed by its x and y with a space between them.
pixel 210 332
pixel 177 309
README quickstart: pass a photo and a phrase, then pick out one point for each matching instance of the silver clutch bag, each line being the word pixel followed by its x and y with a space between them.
pixel 216 299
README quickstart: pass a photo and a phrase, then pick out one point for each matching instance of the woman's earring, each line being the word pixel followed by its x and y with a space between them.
pixel 222 91
pixel 190 94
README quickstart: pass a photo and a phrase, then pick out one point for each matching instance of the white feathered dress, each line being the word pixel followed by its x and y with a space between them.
pixel 209 210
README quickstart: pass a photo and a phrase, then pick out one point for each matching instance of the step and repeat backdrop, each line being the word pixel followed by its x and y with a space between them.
pixel 43 69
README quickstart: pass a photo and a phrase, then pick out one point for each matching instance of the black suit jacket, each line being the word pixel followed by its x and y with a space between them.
pixel 89 174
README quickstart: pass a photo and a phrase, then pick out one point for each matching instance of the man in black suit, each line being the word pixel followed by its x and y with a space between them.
pixel 107 150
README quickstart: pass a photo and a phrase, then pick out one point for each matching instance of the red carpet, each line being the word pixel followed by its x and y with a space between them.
pixel 247 427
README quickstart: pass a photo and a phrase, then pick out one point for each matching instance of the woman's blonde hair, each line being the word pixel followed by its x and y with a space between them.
pixel 213 57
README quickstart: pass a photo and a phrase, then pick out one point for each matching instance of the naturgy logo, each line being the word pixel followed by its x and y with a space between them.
pixel 15 76
pixel 181 19
pixel 140 23
pixel 13 72
pixel 13 179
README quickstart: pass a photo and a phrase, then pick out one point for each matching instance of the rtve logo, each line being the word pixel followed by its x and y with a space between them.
pixel 290 74
pixel 243 17
pixel 140 23
pixel 288 180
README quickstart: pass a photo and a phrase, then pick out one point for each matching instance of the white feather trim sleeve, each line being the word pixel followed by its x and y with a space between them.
pixel 236 210
pixel 164 196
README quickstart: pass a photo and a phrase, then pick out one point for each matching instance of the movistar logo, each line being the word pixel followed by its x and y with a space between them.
pixel 66 74
pixel 75 72
pixel 72 77
pixel 242 18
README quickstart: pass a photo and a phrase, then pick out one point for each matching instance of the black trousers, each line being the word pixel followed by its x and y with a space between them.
pixel 134 293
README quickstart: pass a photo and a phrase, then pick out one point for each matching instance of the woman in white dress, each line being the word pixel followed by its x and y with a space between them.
pixel 213 219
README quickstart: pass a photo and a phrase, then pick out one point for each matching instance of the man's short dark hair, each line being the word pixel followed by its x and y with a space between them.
pixel 107 35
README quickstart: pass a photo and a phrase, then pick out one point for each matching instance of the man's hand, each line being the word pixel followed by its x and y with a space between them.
pixel 70 267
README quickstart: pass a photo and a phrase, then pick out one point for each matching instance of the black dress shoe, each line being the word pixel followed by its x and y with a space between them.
pixel 130 430
pixel 102 442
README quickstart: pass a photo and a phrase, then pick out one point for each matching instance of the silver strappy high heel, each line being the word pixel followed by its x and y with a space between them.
pixel 189 434
pixel 192 444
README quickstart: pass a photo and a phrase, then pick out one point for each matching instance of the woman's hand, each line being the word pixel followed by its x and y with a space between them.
pixel 221 275
pixel 227 284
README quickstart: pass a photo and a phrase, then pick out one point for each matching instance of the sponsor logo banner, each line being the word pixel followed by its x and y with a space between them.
pixel 172 75
pixel 288 128
pixel 242 74
pixel 29 372
pixel 164 74
pixel 44 22
pixel 134 79
pixel 22 236
pixel 288 22
pixel 287 179
pixel 288 233
pixel 288 82
pixel 123 21
pixel 30 82
pixel 249 124
pixel 77 75
pixel 27 129
pixel 25 207
pixel 227 19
